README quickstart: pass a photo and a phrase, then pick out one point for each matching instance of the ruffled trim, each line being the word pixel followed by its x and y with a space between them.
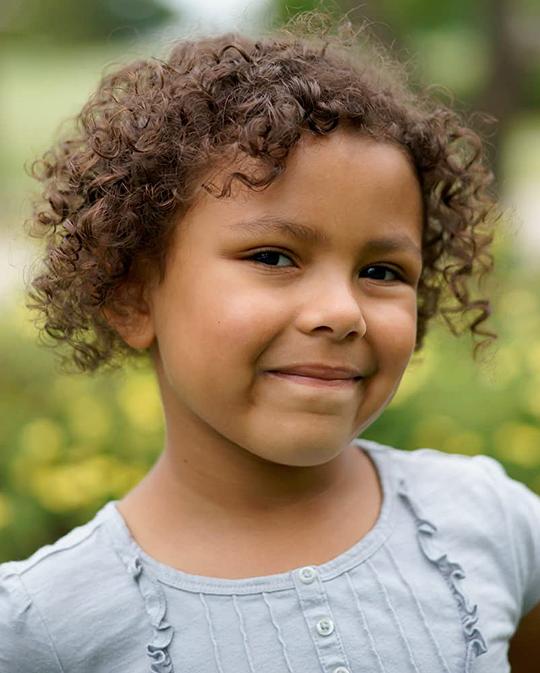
pixel 475 643
pixel 156 607
pixel 154 601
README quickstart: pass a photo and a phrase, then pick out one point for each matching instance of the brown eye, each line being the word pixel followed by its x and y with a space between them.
pixel 380 271
pixel 269 256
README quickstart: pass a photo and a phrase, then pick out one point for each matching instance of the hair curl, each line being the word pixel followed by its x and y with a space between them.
pixel 114 187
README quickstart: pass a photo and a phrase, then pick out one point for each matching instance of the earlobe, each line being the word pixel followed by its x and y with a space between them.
pixel 136 330
pixel 131 318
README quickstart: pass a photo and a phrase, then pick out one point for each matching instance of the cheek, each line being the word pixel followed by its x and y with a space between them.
pixel 393 331
pixel 232 323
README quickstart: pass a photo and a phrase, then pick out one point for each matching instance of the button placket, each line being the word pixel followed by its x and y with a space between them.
pixel 319 619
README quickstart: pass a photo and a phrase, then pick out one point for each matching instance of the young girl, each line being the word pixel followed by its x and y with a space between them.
pixel 273 222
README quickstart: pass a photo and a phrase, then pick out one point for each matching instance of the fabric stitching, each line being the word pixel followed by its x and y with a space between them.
pixel 420 610
pixel 395 616
pixel 244 634
pixel 365 624
pixel 278 629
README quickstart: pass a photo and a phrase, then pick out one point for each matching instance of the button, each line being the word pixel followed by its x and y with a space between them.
pixel 341 669
pixel 307 574
pixel 325 626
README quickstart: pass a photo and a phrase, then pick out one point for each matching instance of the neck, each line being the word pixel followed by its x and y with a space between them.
pixel 207 480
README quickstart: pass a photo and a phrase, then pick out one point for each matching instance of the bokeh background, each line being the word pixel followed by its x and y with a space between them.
pixel 68 444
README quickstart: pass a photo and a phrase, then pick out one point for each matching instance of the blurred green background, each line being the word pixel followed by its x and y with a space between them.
pixel 68 444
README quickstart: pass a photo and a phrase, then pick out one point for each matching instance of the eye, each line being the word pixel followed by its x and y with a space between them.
pixel 269 256
pixel 379 268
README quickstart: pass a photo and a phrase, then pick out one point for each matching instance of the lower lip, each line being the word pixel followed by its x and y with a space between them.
pixel 315 382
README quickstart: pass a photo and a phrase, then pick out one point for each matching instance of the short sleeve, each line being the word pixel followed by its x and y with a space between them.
pixel 522 510
pixel 25 646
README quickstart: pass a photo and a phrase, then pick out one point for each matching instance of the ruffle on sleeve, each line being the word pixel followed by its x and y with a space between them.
pixel 156 607
pixel 451 571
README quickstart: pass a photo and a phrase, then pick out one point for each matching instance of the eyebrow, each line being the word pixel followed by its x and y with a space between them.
pixel 302 232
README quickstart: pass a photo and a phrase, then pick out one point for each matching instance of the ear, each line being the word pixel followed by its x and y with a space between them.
pixel 130 315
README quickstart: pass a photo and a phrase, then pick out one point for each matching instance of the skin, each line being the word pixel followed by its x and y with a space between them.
pixel 249 458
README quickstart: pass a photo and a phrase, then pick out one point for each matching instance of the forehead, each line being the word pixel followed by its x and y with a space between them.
pixel 338 182
pixel 357 151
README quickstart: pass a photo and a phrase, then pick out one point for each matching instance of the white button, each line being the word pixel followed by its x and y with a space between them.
pixel 325 626
pixel 341 669
pixel 307 574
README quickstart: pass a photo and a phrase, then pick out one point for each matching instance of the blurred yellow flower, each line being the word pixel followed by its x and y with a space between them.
pixel 57 488
pixel 466 442
pixel 518 443
pixel 69 486
pixel 88 418
pixel 41 440
pixel 531 397
pixel 139 399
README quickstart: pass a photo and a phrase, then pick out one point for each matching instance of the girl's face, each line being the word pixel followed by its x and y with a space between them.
pixel 329 279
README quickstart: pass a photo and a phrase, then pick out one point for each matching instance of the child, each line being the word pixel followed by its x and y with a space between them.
pixel 274 222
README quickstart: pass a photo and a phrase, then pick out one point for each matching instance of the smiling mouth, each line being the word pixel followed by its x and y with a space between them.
pixel 318 382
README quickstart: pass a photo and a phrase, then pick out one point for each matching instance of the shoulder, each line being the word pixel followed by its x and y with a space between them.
pixel 481 509
pixel 436 463
pixel 478 486
pixel 436 475
pixel 67 565
pixel 71 587
pixel 481 481
pixel 463 495
pixel 26 645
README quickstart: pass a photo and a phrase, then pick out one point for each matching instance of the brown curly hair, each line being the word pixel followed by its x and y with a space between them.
pixel 115 187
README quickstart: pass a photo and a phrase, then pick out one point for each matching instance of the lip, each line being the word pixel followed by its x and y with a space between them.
pixel 320 371
pixel 339 384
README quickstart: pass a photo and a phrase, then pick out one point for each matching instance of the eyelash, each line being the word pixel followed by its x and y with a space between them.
pixel 398 275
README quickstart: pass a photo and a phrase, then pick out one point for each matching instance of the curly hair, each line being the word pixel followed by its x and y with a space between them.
pixel 115 186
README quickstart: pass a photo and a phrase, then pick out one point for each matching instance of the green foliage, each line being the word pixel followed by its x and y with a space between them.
pixel 445 43
pixel 404 16
pixel 63 21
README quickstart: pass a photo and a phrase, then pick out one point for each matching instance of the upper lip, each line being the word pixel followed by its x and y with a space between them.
pixel 321 371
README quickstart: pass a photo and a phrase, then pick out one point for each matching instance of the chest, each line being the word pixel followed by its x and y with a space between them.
pixel 385 607
pixel 259 546
pixel 393 603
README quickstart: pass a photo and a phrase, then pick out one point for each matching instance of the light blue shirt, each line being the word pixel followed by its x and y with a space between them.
pixel 439 584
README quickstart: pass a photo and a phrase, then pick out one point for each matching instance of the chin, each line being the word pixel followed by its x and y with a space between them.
pixel 301 453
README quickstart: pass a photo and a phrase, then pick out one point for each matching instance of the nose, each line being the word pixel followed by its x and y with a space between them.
pixel 333 307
